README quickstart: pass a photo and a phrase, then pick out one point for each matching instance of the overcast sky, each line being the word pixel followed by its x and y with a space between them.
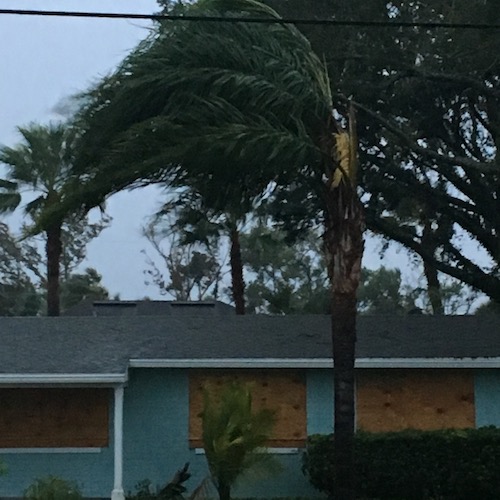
pixel 43 60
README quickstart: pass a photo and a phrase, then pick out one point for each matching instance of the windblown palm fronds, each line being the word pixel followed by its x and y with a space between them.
pixel 195 97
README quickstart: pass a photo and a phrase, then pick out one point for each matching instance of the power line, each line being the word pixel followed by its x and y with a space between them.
pixel 222 19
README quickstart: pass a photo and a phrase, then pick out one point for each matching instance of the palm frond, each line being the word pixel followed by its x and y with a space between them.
pixel 35 205
pixel 233 432
pixel 9 201
pixel 202 97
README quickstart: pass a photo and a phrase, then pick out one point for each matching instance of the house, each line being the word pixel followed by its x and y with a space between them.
pixel 111 400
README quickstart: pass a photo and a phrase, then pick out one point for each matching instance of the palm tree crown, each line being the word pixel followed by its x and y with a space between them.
pixel 40 163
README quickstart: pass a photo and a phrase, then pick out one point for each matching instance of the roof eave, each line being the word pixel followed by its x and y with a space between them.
pixel 493 362
pixel 84 379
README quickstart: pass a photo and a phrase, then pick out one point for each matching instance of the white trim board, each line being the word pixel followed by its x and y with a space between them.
pixel 231 363
pixel 63 378
pixel 493 362
pixel 49 450
pixel 271 451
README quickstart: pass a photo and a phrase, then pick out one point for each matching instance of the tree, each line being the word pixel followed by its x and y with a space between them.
pixel 242 105
pixel 233 433
pixel 18 294
pixel 429 126
pixel 380 292
pixel 194 271
pixel 284 277
pixel 22 277
pixel 289 277
pixel 41 162
pixel 202 216
pixel 81 286
pixel 489 308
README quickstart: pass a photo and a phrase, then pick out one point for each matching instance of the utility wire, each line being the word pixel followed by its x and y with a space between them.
pixel 222 19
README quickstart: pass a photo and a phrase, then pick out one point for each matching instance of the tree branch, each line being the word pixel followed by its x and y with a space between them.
pixel 485 167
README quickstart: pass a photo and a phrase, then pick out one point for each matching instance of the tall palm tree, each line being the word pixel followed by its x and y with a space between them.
pixel 40 163
pixel 238 107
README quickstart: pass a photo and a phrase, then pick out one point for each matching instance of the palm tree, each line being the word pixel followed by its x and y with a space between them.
pixel 238 107
pixel 40 163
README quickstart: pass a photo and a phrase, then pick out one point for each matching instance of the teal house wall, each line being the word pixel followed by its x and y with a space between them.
pixel 156 440
pixel 487 397
pixel 155 443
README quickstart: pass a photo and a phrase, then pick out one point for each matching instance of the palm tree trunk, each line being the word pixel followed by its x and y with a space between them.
pixel 237 281
pixel 53 250
pixel 224 491
pixel 344 249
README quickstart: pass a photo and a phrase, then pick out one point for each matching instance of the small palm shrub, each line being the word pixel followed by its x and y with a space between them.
pixel 52 488
pixel 233 435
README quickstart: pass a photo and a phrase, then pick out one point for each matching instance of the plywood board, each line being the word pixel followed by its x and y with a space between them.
pixel 278 390
pixel 54 418
pixel 393 400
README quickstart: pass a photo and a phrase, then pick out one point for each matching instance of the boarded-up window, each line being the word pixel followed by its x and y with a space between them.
pixel 54 418
pixel 279 390
pixel 393 400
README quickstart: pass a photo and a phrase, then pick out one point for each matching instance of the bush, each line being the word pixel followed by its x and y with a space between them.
pixel 52 488
pixel 415 465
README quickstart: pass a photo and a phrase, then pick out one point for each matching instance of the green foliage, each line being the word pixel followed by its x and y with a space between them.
pixel 80 286
pixel 52 488
pixel 144 490
pixel 233 435
pixel 415 465
pixel 284 277
pixel 41 162
pixel 76 234
pixel 490 307
pixel 174 490
pixel 288 276
pixel 194 99
pixel 193 268
pixel 380 292
pixel 19 295
pixel 428 123
pixel 23 273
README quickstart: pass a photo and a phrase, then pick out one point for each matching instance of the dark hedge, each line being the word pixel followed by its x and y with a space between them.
pixel 415 465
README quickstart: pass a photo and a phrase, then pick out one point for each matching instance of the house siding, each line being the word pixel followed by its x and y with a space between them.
pixel 155 425
pixel 487 397
pixel 319 402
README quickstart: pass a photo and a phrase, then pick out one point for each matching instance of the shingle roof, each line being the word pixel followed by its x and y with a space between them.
pixel 104 345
